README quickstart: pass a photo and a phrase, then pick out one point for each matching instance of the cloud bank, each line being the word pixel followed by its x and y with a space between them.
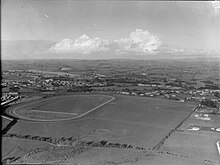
pixel 83 44
pixel 140 41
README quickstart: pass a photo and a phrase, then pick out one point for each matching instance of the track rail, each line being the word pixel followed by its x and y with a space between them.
pixel 14 114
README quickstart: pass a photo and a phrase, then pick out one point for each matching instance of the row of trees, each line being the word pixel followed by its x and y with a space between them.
pixel 209 103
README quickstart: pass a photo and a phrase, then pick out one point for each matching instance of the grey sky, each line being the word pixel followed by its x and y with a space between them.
pixel 193 25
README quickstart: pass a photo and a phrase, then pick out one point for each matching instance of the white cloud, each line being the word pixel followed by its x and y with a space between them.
pixel 83 44
pixel 45 15
pixel 216 4
pixel 140 41
pixel 174 50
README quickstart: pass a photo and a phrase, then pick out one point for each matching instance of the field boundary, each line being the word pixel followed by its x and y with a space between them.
pixel 158 146
pixel 13 111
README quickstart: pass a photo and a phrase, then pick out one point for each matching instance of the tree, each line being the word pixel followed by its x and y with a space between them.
pixel 217 94
pixel 209 103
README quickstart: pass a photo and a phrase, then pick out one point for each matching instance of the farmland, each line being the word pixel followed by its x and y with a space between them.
pixel 198 143
pixel 197 146
pixel 128 120
pixel 112 112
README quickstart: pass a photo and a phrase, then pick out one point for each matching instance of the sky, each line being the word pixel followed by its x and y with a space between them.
pixel 119 27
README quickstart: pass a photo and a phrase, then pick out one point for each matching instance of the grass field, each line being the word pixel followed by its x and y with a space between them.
pixel 60 108
pixel 19 147
pixel 43 115
pixel 71 104
pixel 145 111
pixel 128 157
pixel 137 121
pixel 196 146
pixel 5 122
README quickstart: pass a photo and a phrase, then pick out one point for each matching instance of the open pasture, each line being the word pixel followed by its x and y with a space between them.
pixel 61 108
pixel 72 104
pixel 36 115
pixel 13 147
pixel 145 111
pixel 196 146
pixel 5 122
pixel 136 121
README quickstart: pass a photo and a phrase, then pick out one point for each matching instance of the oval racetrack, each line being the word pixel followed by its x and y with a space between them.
pixel 60 108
